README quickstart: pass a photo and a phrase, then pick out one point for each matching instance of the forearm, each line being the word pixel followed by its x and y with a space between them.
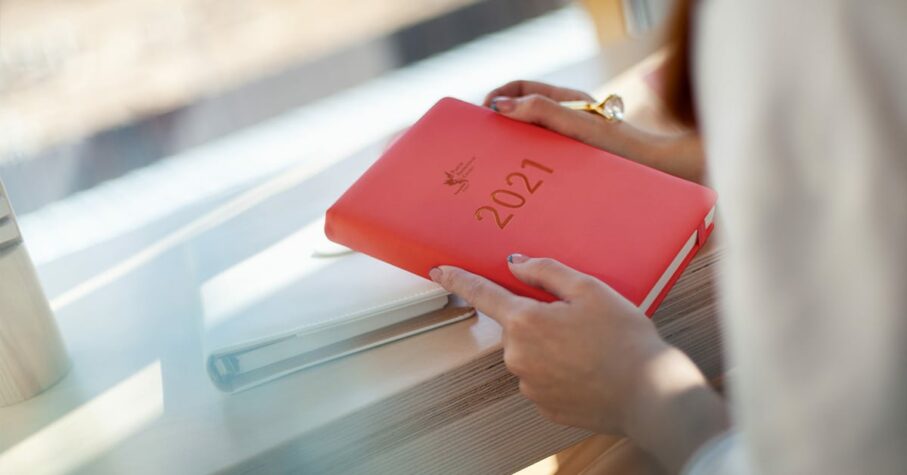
pixel 674 411
pixel 678 155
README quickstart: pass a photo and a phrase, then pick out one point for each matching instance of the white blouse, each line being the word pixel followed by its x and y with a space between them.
pixel 803 107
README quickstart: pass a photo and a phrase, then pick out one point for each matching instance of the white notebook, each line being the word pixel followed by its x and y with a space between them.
pixel 260 325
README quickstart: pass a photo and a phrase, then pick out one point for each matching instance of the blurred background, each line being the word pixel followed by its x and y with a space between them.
pixel 150 146
pixel 186 100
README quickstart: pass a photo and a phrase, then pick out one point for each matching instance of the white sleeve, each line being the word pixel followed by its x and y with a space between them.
pixel 803 110
pixel 722 455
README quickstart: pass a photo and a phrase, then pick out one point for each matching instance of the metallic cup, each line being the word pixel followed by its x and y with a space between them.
pixel 32 355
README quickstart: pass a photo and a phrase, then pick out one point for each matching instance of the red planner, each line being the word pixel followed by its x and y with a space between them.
pixel 466 186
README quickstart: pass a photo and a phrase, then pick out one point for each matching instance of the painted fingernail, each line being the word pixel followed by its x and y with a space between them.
pixel 435 274
pixel 517 258
pixel 503 104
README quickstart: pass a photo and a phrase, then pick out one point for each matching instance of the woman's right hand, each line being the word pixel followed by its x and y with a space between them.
pixel 537 103
pixel 593 360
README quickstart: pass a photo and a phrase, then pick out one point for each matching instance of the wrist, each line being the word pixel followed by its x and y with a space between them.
pixel 625 140
pixel 673 411
pixel 678 155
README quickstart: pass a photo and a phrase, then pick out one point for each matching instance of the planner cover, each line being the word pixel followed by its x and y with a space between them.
pixel 466 186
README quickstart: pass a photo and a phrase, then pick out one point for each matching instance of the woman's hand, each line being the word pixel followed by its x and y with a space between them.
pixel 593 360
pixel 537 103
pixel 578 359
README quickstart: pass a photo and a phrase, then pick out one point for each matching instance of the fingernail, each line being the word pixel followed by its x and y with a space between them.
pixel 517 258
pixel 435 274
pixel 503 104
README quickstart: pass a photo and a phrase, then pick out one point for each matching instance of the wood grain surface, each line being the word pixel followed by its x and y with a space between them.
pixel 433 423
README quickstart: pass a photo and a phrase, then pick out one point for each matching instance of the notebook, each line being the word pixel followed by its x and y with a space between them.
pixel 334 303
pixel 466 186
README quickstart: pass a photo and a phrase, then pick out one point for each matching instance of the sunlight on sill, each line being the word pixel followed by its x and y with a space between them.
pixel 236 206
pixel 265 273
pixel 546 466
pixel 93 428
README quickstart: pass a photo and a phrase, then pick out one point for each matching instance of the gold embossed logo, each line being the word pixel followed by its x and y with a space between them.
pixel 458 177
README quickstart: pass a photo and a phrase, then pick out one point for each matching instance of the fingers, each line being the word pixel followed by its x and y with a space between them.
pixel 541 110
pixel 521 88
pixel 488 297
pixel 566 283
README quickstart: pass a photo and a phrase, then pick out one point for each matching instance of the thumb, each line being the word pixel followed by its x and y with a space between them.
pixel 564 282
pixel 540 110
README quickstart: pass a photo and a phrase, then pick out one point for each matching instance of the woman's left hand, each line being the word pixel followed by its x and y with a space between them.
pixel 537 103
